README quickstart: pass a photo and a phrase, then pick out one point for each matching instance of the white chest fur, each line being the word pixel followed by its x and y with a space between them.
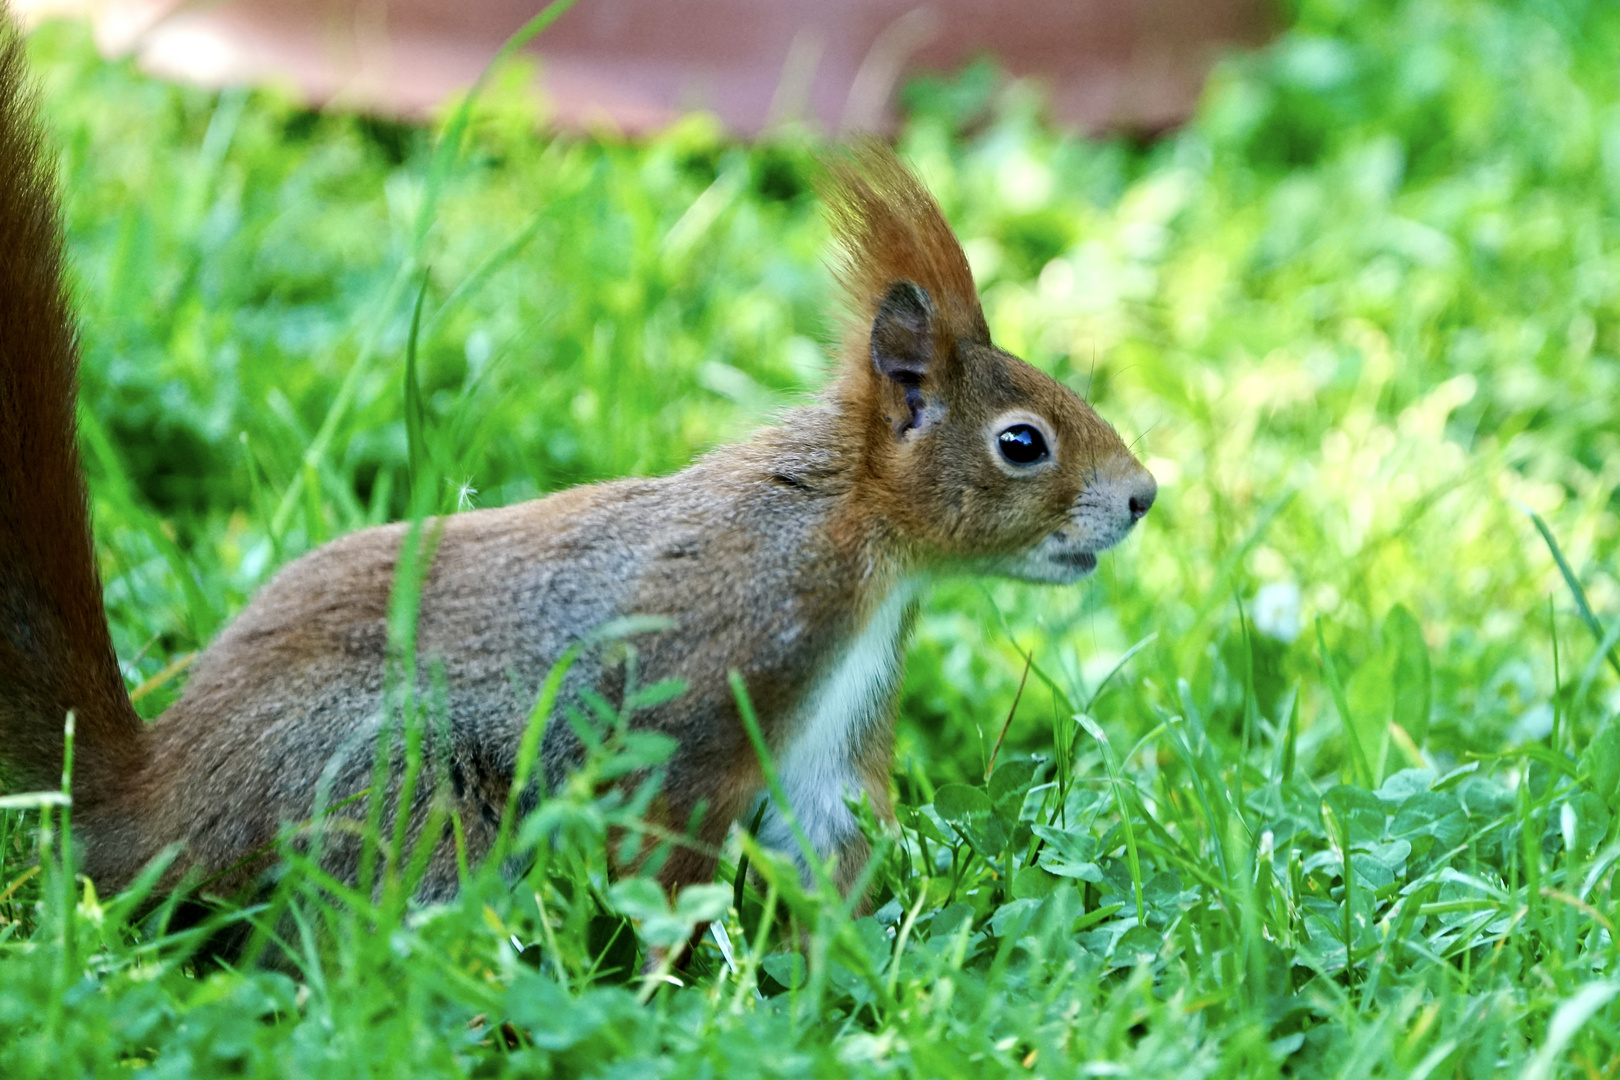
pixel 817 766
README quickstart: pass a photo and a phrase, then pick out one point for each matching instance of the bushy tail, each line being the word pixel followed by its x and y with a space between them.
pixel 55 651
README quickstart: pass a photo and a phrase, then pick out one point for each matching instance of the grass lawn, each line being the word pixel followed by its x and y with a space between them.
pixel 1316 777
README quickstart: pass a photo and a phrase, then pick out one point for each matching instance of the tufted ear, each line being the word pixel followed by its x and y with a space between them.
pixel 903 346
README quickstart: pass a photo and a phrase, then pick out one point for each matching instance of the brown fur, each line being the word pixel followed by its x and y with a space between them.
pixel 795 558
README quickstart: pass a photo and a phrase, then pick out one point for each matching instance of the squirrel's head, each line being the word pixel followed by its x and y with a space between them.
pixel 977 459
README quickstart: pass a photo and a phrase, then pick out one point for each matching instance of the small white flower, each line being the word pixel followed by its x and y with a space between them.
pixel 1276 610
pixel 1533 725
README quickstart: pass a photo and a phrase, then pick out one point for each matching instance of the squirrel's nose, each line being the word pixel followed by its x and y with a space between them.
pixel 1145 490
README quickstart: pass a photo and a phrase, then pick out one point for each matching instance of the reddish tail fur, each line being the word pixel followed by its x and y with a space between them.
pixel 55 652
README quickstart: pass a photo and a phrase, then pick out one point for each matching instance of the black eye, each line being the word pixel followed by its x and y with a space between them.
pixel 1022 444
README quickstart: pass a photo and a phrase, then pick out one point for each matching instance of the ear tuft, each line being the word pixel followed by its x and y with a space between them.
pixel 889 229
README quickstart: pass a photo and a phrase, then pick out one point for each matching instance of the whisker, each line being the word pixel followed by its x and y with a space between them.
pixel 1143 435
pixel 1113 375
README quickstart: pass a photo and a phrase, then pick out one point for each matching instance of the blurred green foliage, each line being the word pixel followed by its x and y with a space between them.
pixel 1358 316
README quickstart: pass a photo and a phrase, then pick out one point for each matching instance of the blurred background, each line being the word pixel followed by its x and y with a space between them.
pixel 637 65
pixel 1345 272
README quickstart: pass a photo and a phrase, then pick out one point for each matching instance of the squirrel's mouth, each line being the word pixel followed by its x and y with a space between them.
pixel 1083 561
pixel 1048 563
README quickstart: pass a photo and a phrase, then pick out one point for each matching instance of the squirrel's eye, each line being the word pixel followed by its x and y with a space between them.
pixel 1022 444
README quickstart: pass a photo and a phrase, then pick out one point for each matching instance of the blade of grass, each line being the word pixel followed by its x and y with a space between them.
pixel 415 411
pixel 1132 854
pixel 1574 583
pixel 1358 754
pixel 990 766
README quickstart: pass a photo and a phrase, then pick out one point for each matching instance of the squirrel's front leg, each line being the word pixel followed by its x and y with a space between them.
pixel 819 793
pixel 854 850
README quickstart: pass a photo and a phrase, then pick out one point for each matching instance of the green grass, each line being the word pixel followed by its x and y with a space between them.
pixel 1362 315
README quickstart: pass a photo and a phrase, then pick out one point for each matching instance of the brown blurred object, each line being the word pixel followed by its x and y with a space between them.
pixel 635 65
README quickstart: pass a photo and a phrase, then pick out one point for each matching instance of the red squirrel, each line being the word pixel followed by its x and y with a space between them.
pixel 797 559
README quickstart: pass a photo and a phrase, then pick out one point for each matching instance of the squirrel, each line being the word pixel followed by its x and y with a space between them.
pixel 797 559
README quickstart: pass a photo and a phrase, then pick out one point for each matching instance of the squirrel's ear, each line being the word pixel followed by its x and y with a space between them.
pixel 903 344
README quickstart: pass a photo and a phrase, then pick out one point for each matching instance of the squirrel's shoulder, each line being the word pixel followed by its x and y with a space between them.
pixel 807 450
